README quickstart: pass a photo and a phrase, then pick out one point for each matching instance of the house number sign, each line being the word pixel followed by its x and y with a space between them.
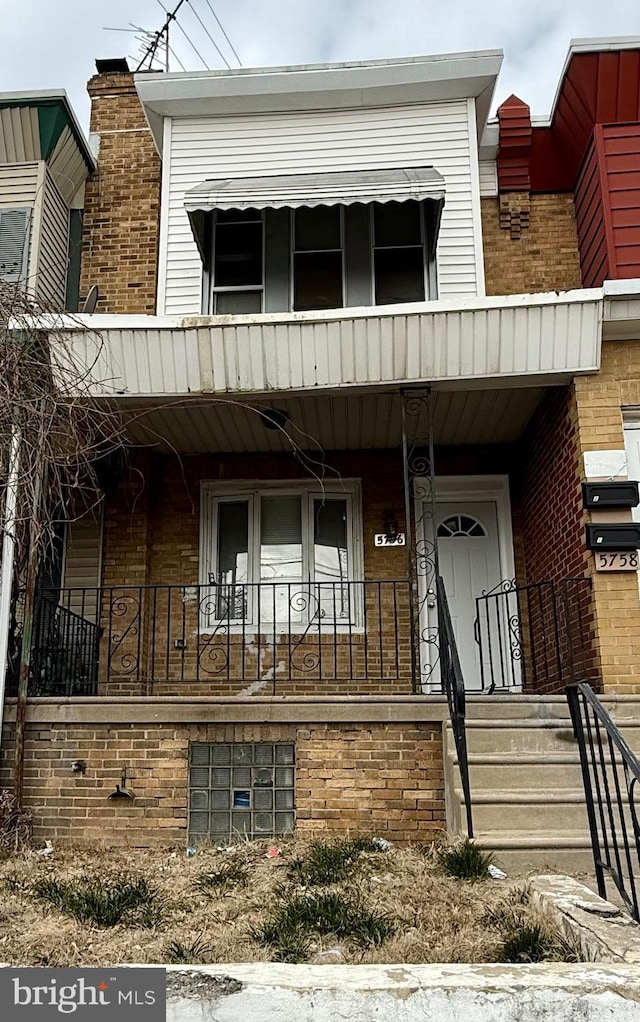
pixel 381 539
pixel 627 560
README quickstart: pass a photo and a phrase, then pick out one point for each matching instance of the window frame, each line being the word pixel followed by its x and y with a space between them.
pixel 424 245
pixel 240 288
pixel 293 251
pixel 213 493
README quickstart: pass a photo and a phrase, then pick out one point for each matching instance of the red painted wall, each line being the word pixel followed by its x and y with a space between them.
pixel 590 221
pixel 619 154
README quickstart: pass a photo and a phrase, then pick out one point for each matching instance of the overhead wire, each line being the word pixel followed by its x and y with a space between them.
pixel 191 43
pixel 221 26
pixel 193 10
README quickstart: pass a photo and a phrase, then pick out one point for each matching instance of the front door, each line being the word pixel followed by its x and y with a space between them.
pixel 469 558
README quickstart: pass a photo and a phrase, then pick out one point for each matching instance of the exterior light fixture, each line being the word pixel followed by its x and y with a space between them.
pixel 390 526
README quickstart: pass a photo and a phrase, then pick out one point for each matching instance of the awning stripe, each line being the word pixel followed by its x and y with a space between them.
pixel 293 190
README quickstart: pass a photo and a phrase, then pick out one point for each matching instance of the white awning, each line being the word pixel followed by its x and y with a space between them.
pixel 293 190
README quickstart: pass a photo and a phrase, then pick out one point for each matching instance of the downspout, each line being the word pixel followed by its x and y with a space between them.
pixel 8 553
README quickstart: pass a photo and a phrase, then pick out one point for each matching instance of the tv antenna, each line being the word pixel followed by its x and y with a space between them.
pixel 155 46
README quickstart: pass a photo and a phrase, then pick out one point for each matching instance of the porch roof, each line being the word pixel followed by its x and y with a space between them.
pixel 518 340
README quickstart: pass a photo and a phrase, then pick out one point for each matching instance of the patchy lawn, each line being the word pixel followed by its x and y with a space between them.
pixel 325 902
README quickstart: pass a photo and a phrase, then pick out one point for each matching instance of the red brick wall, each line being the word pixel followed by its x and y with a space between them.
pixel 557 618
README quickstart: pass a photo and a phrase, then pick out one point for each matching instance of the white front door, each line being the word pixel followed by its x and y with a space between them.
pixel 469 558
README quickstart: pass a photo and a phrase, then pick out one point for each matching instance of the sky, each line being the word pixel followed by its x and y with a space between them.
pixel 52 44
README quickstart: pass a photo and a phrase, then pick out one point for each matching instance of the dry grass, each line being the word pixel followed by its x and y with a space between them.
pixel 439 919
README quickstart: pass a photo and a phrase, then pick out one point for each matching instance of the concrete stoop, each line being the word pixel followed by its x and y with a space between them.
pixel 526 785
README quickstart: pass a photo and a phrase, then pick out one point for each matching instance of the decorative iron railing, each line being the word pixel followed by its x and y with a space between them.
pixel 611 778
pixel 64 651
pixel 259 634
pixel 453 687
pixel 535 636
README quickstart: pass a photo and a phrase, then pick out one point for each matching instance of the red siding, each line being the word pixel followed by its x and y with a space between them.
pixel 590 221
pixel 598 88
pixel 620 156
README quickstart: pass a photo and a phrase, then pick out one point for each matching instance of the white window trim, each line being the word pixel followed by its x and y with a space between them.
pixel 212 493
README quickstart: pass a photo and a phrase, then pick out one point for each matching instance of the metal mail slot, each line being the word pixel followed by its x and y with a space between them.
pixel 610 494
pixel 616 536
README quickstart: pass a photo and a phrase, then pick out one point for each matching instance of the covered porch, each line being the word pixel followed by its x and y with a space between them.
pixel 291 547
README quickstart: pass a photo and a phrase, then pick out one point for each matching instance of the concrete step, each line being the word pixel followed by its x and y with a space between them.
pixel 504 772
pixel 569 852
pixel 542 736
pixel 528 811
pixel 519 706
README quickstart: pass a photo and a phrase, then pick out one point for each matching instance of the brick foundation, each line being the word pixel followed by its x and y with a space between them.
pixel 382 778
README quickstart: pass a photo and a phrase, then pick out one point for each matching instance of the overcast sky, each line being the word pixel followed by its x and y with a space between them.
pixel 50 44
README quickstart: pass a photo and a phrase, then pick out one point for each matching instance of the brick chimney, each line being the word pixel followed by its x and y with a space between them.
pixel 514 161
pixel 122 198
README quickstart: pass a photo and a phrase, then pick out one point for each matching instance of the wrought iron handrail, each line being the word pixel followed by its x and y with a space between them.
pixel 453 686
pixel 534 635
pixel 611 776
pixel 64 650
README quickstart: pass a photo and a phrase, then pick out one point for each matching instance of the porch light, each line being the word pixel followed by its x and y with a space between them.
pixel 273 418
pixel 390 526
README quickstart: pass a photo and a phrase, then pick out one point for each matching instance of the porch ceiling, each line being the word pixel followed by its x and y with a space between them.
pixel 337 422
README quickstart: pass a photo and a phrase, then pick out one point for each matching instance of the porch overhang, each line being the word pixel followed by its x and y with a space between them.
pixel 513 341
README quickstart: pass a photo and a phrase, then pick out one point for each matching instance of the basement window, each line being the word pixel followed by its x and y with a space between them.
pixel 241 789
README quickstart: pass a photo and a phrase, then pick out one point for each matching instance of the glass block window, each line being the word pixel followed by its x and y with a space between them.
pixel 241 790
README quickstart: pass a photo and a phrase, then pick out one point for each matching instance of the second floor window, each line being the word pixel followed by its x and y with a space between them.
pixel 238 262
pixel 399 263
pixel 317 258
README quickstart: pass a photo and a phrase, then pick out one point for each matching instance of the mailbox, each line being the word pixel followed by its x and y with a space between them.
pixel 613 494
pixel 614 536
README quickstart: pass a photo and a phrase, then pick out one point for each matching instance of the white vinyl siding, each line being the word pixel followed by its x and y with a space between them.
pixel 82 558
pixel 421 134
pixel 488 178
pixel 53 255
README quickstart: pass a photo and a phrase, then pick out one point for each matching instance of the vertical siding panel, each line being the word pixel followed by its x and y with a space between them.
pixel 53 254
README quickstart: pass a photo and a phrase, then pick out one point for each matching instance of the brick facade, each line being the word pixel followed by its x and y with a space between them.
pixel 122 201
pixel 557 615
pixel 540 255
pixel 600 399
pixel 384 779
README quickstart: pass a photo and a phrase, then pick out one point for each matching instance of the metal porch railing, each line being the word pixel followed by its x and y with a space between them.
pixel 611 778
pixel 535 636
pixel 259 634
pixel 453 687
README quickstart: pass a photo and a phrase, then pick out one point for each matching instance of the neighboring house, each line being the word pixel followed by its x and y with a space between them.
pixel 360 338
pixel 44 163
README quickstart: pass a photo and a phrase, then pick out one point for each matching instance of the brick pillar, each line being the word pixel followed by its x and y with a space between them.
pixel 122 201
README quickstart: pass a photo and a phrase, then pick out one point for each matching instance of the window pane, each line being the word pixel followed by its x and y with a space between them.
pixel 317 228
pixel 397 223
pixel 233 560
pixel 233 541
pixel 280 539
pixel 226 303
pixel 330 540
pixel 238 254
pixel 317 281
pixel 399 275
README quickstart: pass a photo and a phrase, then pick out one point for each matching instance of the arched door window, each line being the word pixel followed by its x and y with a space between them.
pixel 460 525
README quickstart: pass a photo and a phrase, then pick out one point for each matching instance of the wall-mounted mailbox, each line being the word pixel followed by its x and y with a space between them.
pixel 614 536
pixel 613 494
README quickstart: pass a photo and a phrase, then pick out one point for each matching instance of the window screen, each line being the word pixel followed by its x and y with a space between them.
pixel 241 789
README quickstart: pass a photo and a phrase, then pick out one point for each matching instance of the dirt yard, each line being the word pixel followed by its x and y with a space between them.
pixel 321 903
